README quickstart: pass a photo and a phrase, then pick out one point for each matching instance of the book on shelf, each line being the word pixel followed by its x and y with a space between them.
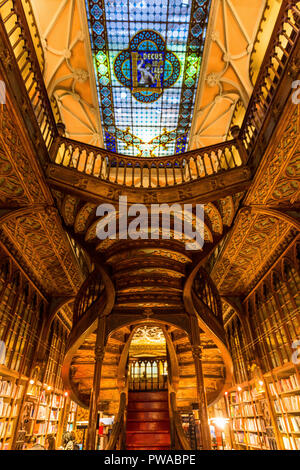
pixel 42 413
pixel 289 444
pixel 291 403
pixel 288 384
pixel 254 439
pixel 295 420
pixel 240 437
pixel 283 424
pixel 40 428
pixel 5 429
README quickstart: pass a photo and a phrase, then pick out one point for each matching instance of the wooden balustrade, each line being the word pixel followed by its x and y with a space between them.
pixel 147 172
pixel 90 291
pixel 206 291
pixel 148 374
pixel 18 33
pixel 153 172
pixel 281 46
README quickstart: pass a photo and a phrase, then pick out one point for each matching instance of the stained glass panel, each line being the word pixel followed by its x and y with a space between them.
pixel 147 57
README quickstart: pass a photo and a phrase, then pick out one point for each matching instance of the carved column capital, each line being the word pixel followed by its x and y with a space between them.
pixel 197 352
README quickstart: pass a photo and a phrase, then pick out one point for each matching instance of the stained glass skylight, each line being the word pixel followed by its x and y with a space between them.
pixel 147 56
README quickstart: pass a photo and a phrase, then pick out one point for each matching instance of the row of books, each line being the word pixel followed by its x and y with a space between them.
pixel 290 403
pixel 5 409
pixel 252 439
pixel 249 425
pixel 9 389
pixel 57 401
pixel 283 425
pixel 285 385
pixel 71 417
pixel 295 421
pixel 5 428
pixel 73 406
pixel 238 397
pixel 292 443
pixel 244 410
pixel 40 428
pixel 54 415
pixel 42 413
pixel 52 428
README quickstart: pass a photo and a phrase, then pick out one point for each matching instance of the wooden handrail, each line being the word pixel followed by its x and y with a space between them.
pixel 119 425
pixel 149 173
pixel 281 46
pixel 18 33
pixel 90 291
pixel 178 429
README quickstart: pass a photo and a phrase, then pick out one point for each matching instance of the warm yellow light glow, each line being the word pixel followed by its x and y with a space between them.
pixel 261 383
pixel 220 422
pixel 31 382
pixel 66 394
pixel 239 389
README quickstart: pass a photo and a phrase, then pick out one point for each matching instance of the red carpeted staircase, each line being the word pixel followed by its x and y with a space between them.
pixel 148 422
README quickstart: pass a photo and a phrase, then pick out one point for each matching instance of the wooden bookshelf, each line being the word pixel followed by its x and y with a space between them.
pixel 11 392
pixel 45 407
pixel 71 418
pixel 284 388
pixel 250 420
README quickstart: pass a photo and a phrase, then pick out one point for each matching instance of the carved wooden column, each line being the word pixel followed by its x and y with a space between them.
pixel 197 356
pixel 94 399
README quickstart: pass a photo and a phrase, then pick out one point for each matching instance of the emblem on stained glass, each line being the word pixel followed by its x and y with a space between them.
pixel 147 67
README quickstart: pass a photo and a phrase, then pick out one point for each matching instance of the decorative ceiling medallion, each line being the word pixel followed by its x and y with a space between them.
pixel 148 334
pixel 147 67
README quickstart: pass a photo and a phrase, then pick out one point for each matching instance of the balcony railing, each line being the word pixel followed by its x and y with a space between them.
pixel 147 172
pixel 18 33
pixel 161 171
pixel 281 46
pixel 148 374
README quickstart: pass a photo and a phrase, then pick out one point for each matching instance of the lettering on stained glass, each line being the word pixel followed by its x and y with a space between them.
pixel 147 71
pixel 147 67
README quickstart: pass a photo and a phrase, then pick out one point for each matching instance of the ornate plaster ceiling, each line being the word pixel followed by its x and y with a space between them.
pixel 31 228
pixel 263 228
pixel 68 72
pixel 228 60
pixel 228 68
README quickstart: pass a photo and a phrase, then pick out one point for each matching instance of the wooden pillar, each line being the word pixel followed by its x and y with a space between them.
pixel 197 356
pixel 94 399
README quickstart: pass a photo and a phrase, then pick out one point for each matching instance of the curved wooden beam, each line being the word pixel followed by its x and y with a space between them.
pixel 208 329
pixel 86 326
pixel 257 209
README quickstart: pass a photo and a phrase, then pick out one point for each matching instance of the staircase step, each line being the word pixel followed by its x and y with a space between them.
pixel 134 447
pixel 150 439
pixel 148 421
pixel 148 396
pixel 160 426
pixel 147 406
pixel 148 415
